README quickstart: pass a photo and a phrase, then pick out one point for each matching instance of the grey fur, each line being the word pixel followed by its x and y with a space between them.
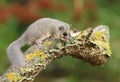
pixel 40 29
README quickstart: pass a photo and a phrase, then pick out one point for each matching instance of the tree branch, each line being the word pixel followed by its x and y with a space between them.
pixel 90 45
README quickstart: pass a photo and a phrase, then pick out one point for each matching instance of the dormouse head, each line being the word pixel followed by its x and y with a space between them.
pixel 64 31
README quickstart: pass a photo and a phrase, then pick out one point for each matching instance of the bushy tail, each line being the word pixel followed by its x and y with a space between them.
pixel 15 54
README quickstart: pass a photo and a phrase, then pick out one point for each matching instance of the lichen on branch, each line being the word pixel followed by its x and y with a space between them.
pixel 91 46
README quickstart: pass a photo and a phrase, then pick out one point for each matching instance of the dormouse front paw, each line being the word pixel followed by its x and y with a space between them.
pixel 38 42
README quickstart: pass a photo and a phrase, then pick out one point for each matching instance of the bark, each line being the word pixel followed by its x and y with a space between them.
pixel 91 46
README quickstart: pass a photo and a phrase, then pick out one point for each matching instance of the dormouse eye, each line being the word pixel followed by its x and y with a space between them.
pixel 65 34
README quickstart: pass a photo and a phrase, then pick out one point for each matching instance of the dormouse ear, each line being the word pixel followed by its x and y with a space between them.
pixel 61 28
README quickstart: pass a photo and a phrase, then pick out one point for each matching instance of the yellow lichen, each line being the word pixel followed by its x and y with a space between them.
pixel 42 55
pixel 79 35
pixel 100 36
pixel 101 39
pixel 23 70
pixel 29 57
pixel 27 69
pixel 83 33
pixel 106 46
pixel 36 53
pixel 48 43
pixel 19 78
pixel 12 77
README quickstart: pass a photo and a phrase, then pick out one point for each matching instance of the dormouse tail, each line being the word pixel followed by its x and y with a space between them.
pixel 15 54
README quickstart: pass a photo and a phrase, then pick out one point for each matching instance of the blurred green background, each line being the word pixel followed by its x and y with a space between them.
pixel 17 15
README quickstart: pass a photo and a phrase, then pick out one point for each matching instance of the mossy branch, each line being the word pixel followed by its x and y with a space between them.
pixel 90 45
